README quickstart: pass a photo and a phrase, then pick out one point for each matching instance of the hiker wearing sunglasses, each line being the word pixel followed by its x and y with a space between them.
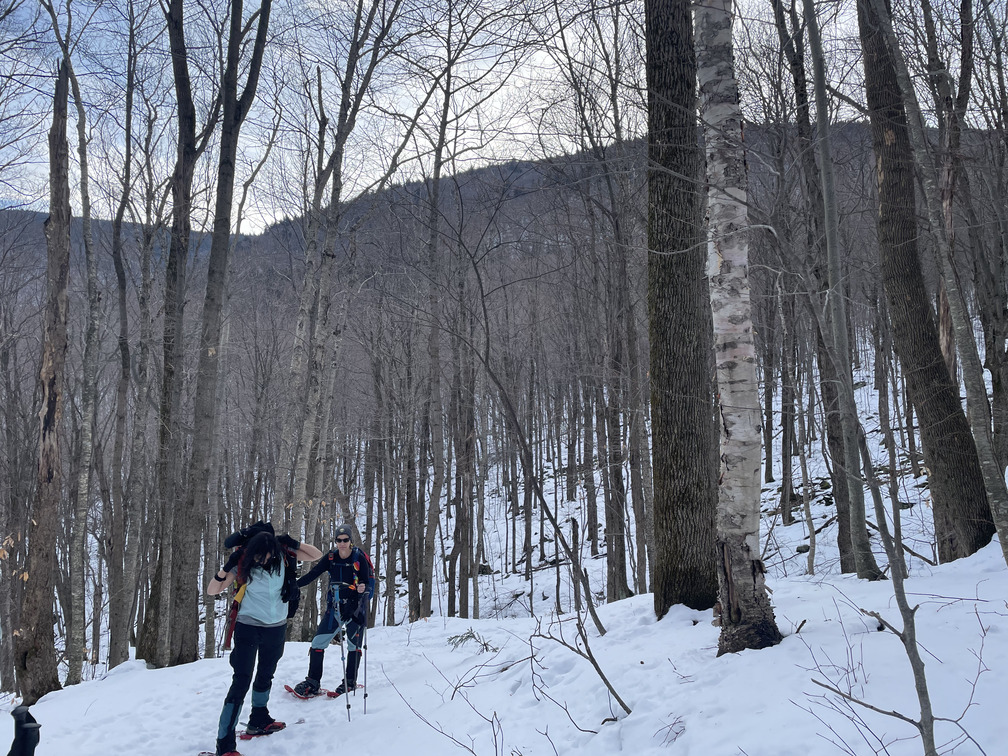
pixel 351 585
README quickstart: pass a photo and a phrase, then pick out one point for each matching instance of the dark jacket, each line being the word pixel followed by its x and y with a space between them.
pixel 346 575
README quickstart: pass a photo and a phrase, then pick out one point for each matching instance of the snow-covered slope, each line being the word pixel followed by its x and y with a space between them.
pixel 428 692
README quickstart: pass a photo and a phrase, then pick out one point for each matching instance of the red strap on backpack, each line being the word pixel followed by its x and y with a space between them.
pixel 233 615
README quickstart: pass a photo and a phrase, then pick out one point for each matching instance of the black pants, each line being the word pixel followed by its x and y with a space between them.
pixel 250 641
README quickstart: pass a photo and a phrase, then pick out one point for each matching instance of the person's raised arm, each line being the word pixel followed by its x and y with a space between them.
pixel 313 573
pixel 304 552
pixel 308 553
pixel 224 576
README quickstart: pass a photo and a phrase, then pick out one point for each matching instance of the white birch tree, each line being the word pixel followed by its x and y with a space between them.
pixel 744 610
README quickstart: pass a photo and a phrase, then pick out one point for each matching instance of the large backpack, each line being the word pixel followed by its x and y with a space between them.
pixel 290 592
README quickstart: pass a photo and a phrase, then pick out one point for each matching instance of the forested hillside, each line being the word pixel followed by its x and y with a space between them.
pixel 386 263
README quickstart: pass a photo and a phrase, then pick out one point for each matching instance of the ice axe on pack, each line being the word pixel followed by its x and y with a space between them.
pixel 26 733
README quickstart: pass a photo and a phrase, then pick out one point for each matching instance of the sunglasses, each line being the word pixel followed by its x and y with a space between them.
pixel 342 540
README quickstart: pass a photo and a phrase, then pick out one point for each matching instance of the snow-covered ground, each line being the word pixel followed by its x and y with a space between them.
pixel 511 690
pixel 509 686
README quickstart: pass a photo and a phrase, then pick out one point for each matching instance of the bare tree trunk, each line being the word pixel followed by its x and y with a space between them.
pixel 611 402
pixel 639 455
pixel 17 499
pixel 864 560
pixel 89 384
pixel 591 492
pixel 139 482
pixel 194 509
pixel 34 643
pixel 388 466
pixel 573 405
pixel 471 574
pixel 967 484
pixel 209 536
pixel 684 569
pixel 89 391
pixel 479 513
pixel 946 334
pixel 121 600
pixel 792 43
pixel 162 638
pixel 883 364
pixel 414 503
pixel 807 489
pixel 615 509
pixel 787 412
pixel 769 388
pixel 370 481
pixel 434 405
pixel 528 472
pixel 511 487
pixel 746 617
pixel 908 635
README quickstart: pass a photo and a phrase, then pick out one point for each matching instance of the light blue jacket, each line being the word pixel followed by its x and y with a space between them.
pixel 262 605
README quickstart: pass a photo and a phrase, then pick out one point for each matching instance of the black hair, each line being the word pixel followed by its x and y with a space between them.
pixel 262 550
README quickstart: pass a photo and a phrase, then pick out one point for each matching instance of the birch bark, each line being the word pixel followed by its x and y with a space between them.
pixel 746 617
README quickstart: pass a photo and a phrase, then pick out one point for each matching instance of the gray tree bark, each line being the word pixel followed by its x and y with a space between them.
pixel 195 508
pixel 682 417
pixel 120 599
pixel 163 641
pixel 794 48
pixel 34 643
pixel 864 560
pixel 89 383
pixel 966 480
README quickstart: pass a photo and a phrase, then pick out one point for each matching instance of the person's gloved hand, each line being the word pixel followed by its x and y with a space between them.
pixel 288 543
pixel 238 538
pixel 360 612
pixel 241 537
pixel 231 565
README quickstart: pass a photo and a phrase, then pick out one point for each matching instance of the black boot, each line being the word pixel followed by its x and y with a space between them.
pixel 307 688
pixel 315 658
pixel 310 685
pixel 352 664
pixel 261 723
pixel 259 717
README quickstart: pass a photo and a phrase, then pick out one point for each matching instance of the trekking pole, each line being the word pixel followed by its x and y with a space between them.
pixel 342 648
pixel 365 665
pixel 218 637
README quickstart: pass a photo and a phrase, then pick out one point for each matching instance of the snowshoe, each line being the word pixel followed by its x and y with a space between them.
pixel 340 691
pixel 305 692
pixel 254 731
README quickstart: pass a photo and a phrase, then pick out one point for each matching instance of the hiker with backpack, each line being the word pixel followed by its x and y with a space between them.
pixel 260 567
pixel 351 585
